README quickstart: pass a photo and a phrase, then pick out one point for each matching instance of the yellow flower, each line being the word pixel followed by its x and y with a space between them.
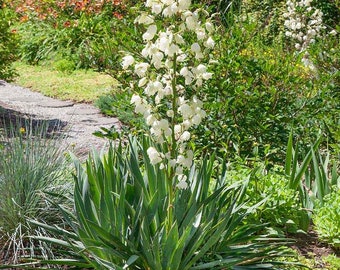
pixel 22 130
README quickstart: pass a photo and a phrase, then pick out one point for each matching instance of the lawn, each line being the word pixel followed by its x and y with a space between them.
pixel 78 85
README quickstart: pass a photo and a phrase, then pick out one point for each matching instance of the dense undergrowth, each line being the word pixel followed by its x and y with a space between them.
pixel 266 154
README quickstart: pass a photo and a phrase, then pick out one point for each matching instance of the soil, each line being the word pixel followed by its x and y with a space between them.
pixel 309 246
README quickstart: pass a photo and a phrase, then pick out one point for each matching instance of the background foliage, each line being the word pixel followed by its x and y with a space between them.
pixel 8 46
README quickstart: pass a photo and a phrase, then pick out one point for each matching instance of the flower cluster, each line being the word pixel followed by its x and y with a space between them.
pixel 304 24
pixel 175 65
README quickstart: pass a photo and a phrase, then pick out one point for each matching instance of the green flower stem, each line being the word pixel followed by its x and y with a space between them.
pixel 171 171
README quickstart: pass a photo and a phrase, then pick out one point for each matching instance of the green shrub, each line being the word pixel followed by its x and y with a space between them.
pixel 261 92
pixel 326 219
pixel 64 66
pixel 118 105
pixel 31 167
pixel 8 46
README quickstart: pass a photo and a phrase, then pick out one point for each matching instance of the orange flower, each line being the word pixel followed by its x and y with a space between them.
pixel 118 15
pixel 67 24
pixel 24 18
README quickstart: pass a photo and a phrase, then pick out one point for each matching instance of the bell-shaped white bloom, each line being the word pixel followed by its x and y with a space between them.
pixel 145 19
pixel 157 58
pixel 191 23
pixel 185 162
pixel 170 113
pixel 186 111
pixel 172 50
pixel 136 99
pixel 184 4
pixel 127 61
pixel 154 156
pixel 209 26
pixel 155 5
pixel 185 136
pixel 209 43
pixel 333 32
pixel 150 120
pixel 141 69
pixel 200 32
pixel 179 39
pixel 187 74
pixel 153 87
pixel 150 32
pixel 196 48
pixel 170 10
pixel 182 184
pixel 142 82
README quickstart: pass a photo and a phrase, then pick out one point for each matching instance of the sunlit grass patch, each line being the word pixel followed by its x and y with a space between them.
pixel 78 86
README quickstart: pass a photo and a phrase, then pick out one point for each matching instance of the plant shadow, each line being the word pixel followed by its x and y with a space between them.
pixel 13 122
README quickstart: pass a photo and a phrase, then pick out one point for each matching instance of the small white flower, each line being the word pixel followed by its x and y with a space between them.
pixel 141 69
pixel 185 136
pixel 150 32
pixel 184 4
pixel 142 82
pixel 179 39
pixel 209 26
pixel 182 184
pixel 173 49
pixel 127 61
pixel 150 120
pixel 196 48
pixel 136 99
pixel 170 113
pixel 209 43
pixel 144 19
pixel 191 23
pixel 333 32
pixel 154 156
pixel 200 32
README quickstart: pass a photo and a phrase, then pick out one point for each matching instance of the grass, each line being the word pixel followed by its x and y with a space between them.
pixel 78 85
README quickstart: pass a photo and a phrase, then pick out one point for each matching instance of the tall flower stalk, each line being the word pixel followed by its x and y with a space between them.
pixel 174 66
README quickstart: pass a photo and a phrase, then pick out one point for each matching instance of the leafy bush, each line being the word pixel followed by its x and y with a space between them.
pixel 326 219
pixel 68 29
pixel 118 104
pixel 280 208
pixel 122 218
pixel 64 65
pixel 8 46
pixel 260 93
pixel 31 167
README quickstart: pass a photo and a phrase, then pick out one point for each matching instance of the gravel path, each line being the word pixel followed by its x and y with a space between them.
pixel 78 121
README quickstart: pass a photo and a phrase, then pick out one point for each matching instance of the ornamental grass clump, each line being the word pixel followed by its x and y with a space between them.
pixel 31 165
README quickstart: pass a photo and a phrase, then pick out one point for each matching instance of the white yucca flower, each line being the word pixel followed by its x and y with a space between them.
pixel 171 65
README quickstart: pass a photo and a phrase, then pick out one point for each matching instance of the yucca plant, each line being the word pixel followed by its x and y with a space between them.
pixel 313 177
pixel 30 166
pixel 121 218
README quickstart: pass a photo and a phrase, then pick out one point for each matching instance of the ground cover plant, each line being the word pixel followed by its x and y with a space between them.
pixel 245 85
